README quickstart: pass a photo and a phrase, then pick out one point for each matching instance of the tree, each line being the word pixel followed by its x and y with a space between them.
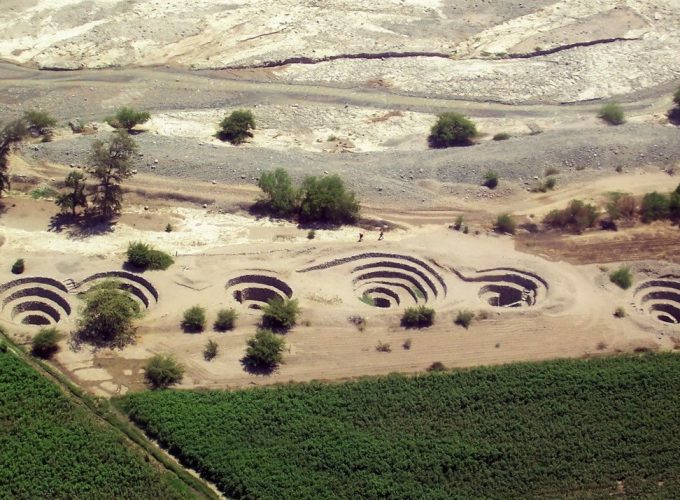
pixel 40 123
pixel 577 216
pixel 128 118
pixel 282 197
pixel 45 343
pixel 143 256
pixel 452 129
pixel 76 197
pixel 264 351
pixel 418 317
pixel 612 113
pixel 236 127
pixel 280 314
pixel 654 206
pixel 112 162
pixel 194 319
pixel 491 179
pixel 10 135
pixel 162 371
pixel 505 223
pixel 107 320
pixel 210 350
pixel 324 199
pixel 622 277
pixel 226 319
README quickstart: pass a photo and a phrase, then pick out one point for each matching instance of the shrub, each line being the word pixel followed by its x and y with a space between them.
pixel 162 371
pixel 622 277
pixel 143 256
pixel 128 118
pixel 418 317
pixel 437 366
pixel 576 217
pixel 464 318
pixel 491 179
pixel 40 123
pixel 311 234
pixel 280 314
pixel 654 206
pixel 194 319
pixel 107 318
pixel 612 113
pixel 45 343
pixel 674 206
pixel 383 347
pixel 168 228
pixel 18 267
pixel 236 127
pixel 452 129
pixel 226 320
pixel 407 344
pixel 621 206
pixel 281 197
pixel 505 223
pixel 359 322
pixel 501 136
pixel 458 223
pixel 325 199
pixel 264 351
pixel 620 312
pixel 551 171
pixel 210 350
pixel 550 183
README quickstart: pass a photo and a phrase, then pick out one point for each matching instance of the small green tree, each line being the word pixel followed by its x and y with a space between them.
pixel 18 267
pixel 280 314
pixel 490 179
pixel 505 223
pixel 107 319
pixel 112 162
pixel 622 277
pixel 577 216
pixel 194 319
pixel 464 318
pixel 452 129
pixel 10 136
pixel 264 350
pixel 612 113
pixel 40 123
pixel 325 199
pixel 654 206
pixel 210 350
pixel 226 320
pixel 128 118
pixel 144 256
pixel 76 197
pixel 621 206
pixel 162 371
pixel 46 343
pixel 281 196
pixel 236 127
pixel 418 317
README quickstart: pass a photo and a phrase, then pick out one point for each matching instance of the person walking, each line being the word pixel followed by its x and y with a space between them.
pixel 361 237
pixel 382 235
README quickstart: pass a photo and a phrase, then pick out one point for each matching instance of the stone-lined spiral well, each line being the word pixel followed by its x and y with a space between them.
pixel 255 289
pixel 38 300
pixel 660 298
pixel 508 287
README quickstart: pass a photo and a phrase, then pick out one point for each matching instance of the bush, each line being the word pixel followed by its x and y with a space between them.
pixel 622 277
pixel 464 318
pixel 505 223
pixel 383 347
pixel 280 314
pixel 654 206
pixel 324 199
pixel 18 267
pixel 491 179
pixel 674 206
pixel 128 118
pixel 194 319
pixel 264 351
pixel 226 320
pixel 45 343
pixel 576 217
pixel 550 184
pixel 168 228
pixel 311 234
pixel 452 129
pixel 418 317
pixel 210 350
pixel 407 344
pixel 40 123
pixel 621 206
pixel 143 256
pixel 359 322
pixel 612 113
pixel 551 171
pixel 502 136
pixel 437 366
pixel 236 127
pixel 281 196
pixel 162 371
pixel 458 223
pixel 620 312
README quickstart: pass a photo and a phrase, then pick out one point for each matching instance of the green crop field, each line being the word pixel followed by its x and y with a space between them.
pixel 51 447
pixel 570 428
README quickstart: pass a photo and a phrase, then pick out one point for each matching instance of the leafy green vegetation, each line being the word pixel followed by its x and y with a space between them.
pixel 505 223
pixel 612 113
pixel 572 428
pixel 43 192
pixel 18 267
pixel 143 256
pixel 236 127
pixel 40 123
pixel 194 319
pixel 11 136
pixel 501 136
pixel 654 206
pixel 452 129
pixel 576 217
pixel 163 370
pixel 210 350
pixel 45 343
pixel 128 118
pixel 418 317
pixel 264 351
pixel 280 314
pixel 464 318
pixel 51 447
pixel 622 277
pixel 490 179
pixel 226 320
pixel 75 197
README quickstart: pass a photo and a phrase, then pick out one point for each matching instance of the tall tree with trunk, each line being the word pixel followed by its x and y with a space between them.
pixel 76 197
pixel 112 161
pixel 10 135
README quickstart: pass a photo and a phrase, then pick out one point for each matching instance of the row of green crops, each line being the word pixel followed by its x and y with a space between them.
pixel 51 447
pixel 560 428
